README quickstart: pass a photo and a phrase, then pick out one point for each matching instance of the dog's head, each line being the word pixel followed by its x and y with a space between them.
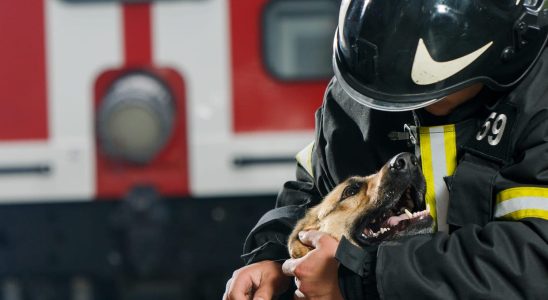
pixel 382 206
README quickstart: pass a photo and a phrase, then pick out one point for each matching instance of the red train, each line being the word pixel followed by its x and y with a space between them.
pixel 206 101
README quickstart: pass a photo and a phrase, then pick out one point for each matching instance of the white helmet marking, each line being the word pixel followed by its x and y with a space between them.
pixel 427 71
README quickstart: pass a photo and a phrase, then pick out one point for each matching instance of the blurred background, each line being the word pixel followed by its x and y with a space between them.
pixel 140 141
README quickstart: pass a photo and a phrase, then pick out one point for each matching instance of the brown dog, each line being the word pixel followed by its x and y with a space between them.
pixel 372 209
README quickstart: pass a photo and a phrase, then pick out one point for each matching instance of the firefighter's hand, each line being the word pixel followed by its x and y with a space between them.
pixel 259 281
pixel 316 272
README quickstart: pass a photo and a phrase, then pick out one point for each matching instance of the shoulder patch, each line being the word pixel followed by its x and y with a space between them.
pixel 492 140
pixel 304 158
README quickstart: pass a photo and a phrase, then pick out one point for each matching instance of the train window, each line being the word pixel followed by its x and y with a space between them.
pixel 298 38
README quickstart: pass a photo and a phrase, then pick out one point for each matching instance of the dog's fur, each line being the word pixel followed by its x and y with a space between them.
pixel 352 202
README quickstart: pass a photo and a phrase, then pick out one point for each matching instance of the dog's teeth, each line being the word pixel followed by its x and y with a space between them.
pixel 408 213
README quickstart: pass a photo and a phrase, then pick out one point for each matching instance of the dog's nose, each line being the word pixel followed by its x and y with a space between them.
pixel 403 162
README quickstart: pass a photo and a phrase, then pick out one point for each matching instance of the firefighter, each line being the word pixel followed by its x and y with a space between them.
pixel 464 85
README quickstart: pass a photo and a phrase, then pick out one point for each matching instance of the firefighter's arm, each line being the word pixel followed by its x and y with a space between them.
pixel 266 245
pixel 268 239
pixel 503 260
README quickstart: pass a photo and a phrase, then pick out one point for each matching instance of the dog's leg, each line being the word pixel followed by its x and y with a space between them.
pixel 296 248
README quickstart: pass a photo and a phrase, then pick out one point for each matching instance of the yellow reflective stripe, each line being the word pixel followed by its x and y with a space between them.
pixel 519 192
pixel 522 202
pixel 450 139
pixel 525 213
pixel 427 169
pixel 439 159
pixel 304 158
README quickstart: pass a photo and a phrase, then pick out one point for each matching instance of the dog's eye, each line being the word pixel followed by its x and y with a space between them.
pixel 350 191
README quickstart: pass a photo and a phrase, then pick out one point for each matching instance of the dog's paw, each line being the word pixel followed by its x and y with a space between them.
pixel 298 249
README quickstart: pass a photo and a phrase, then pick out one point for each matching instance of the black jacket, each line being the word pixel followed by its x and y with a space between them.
pixel 498 195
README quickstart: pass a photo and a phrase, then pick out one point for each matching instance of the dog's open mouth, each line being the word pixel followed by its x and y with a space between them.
pixel 392 220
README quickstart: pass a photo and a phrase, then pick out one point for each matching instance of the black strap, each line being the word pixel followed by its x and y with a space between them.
pixel 353 257
pixel 351 284
pixel 357 270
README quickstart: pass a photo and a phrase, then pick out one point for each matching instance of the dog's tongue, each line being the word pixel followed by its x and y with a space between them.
pixel 394 220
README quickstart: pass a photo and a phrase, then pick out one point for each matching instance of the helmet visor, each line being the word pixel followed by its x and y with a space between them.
pixel 379 104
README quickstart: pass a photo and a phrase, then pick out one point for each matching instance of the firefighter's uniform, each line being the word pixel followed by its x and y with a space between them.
pixel 486 167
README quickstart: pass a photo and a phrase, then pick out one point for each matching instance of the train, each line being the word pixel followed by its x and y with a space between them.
pixel 140 140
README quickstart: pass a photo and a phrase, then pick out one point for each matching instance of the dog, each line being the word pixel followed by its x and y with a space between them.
pixel 372 209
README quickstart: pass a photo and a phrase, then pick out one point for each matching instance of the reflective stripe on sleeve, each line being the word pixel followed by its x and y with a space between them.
pixel 304 158
pixel 439 159
pixel 522 202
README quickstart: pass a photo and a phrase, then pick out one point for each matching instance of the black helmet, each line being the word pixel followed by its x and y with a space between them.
pixel 404 54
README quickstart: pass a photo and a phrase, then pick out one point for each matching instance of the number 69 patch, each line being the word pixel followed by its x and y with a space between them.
pixel 493 128
pixel 492 140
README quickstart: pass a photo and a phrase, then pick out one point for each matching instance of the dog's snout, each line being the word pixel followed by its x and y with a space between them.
pixel 399 164
pixel 404 162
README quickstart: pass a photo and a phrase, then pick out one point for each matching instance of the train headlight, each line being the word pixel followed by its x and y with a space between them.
pixel 136 117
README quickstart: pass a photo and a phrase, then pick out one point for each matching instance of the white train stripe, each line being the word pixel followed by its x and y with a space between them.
pixel 203 58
